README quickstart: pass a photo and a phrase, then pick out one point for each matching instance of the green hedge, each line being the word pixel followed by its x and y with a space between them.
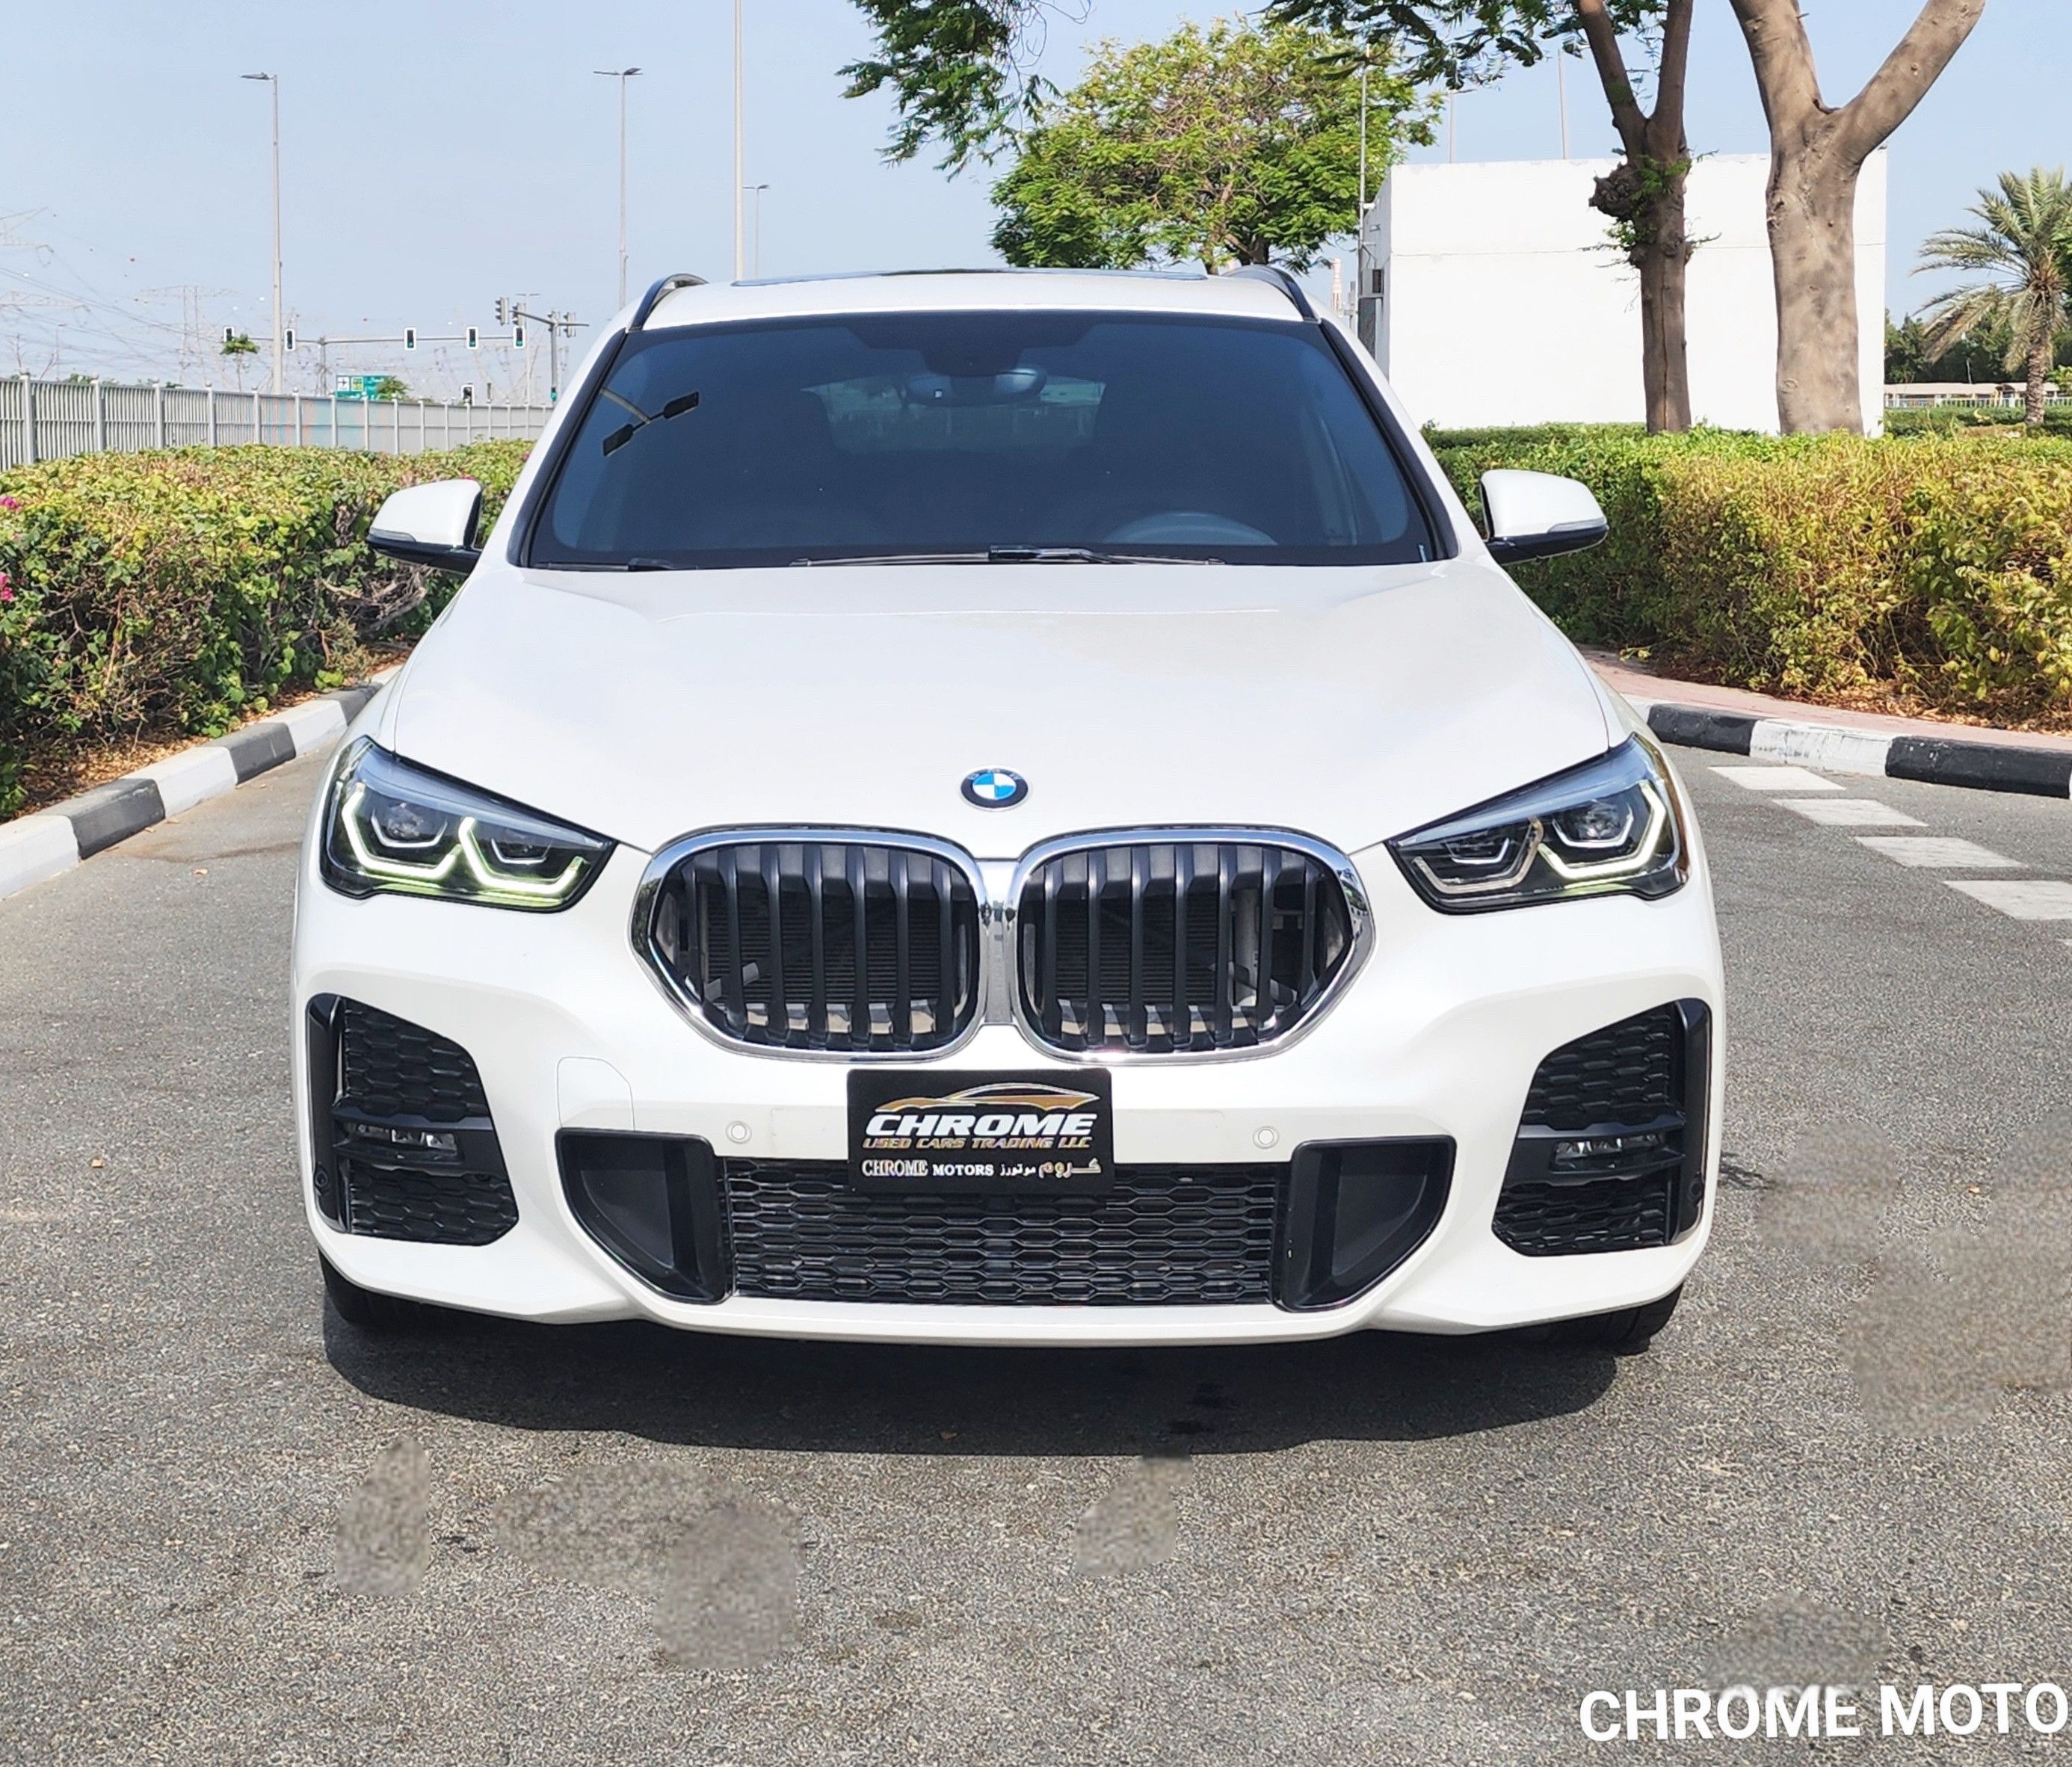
pixel 1934 572
pixel 179 591
pixel 1942 419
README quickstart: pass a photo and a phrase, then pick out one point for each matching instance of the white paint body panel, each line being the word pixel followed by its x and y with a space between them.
pixel 1349 704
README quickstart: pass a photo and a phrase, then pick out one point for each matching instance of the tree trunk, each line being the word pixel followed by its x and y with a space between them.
pixel 1817 153
pixel 2041 359
pixel 1813 248
pixel 1665 365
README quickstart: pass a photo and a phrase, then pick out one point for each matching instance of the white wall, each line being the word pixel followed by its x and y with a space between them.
pixel 1503 301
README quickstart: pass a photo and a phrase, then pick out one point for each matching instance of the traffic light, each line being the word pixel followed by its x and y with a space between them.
pixel 473 337
pixel 228 333
pixel 517 337
pixel 409 337
pixel 288 338
pixel 502 309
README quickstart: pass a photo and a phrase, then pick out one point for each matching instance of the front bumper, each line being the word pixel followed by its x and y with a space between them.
pixel 1440 1036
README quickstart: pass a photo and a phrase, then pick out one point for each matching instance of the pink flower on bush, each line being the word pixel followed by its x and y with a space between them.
pixel 11 504
pixel 6 588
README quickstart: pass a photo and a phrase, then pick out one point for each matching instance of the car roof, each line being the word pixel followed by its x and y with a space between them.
pixel 975 291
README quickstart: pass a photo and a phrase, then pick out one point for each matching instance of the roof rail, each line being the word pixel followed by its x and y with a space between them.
pixel 668 285
pixel 1281 280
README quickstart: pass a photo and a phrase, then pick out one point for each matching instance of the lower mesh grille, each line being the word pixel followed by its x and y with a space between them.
pixel 447 1208
pixel 390 1067
pixel 1610 1153
pixel 1163 1236
pixel 1607 1215
pixel 1629 1072
pixel 403 1143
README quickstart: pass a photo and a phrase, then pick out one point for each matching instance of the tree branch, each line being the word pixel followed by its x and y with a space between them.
pixel 1914 65
pixel 1670 84
pixel 1602 36
pixel 1783 58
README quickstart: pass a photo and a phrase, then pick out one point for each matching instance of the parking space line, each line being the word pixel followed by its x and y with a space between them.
pixel 1851 813
pixel 1776 780
pixel 2023 898
pixel 1936 853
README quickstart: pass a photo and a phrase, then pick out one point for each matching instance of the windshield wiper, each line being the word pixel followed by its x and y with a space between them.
pixel 1012 555
pixel 1080 555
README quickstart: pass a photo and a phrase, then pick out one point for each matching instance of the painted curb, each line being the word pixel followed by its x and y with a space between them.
pixel 1980 766
pixel 38 847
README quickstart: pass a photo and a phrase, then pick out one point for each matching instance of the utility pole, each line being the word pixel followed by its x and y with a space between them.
pixel 273 81
pixel 1561 86
pixel 740 170
pixel 755 258
pixel 622 75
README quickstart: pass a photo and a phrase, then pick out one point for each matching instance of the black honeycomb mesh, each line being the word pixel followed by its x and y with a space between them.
pixel 1606 1215
pixel 1164 1236
pixel 1626 1073
pixel 390 1067
pixel 444 1208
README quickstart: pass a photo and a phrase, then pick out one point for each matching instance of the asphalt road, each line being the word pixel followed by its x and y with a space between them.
pixel 230 1531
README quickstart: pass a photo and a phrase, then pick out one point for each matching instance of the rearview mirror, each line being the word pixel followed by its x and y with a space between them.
pixel 430 524
pixel 1539 515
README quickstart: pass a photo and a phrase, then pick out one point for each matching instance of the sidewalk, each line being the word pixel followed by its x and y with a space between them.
pixel 1842 741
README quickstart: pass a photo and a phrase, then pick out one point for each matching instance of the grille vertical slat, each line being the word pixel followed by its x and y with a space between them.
pixel 848 946
pixel 1222 944
pixel 816 1001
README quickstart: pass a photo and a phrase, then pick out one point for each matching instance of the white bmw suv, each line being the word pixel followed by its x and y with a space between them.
pixel 1001 808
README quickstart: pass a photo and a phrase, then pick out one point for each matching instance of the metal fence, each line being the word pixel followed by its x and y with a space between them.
pixel 45 420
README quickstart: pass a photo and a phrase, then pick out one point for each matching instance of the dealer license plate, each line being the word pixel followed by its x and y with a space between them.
pixel 928 1131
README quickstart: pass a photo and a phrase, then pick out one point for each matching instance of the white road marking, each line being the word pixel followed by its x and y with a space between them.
pixel 1776 780
pixel 1851 813
pixel 2024 899
pixel 1936 852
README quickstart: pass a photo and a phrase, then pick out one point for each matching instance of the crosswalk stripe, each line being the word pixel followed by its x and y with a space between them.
pixel 1936 853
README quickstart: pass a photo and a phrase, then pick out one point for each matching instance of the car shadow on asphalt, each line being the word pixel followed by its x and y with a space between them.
pixel 711 1390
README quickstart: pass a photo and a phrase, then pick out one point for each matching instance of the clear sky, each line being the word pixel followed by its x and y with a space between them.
pixel 439 153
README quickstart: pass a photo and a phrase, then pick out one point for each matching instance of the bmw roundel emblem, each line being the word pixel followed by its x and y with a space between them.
pixel 994 788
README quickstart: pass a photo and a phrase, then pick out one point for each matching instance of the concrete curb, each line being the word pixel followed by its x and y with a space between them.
pixel 41 846
pixel 1982 766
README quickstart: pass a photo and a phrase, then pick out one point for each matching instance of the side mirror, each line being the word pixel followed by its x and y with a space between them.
pixel 430 524
pixel 1538 515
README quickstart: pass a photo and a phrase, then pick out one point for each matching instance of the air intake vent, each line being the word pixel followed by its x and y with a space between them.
pixel 848 946
pixel 1167 947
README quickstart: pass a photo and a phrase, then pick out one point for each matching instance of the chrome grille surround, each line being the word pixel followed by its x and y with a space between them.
pixel 1228 1029
pixel 805 972
pixel 998 995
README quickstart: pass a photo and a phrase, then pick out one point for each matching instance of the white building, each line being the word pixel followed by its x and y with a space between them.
pixel 1492 294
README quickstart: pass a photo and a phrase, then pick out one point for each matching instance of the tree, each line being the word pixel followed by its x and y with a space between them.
pixel 1229 144
pixel 237 346
pixel 961 73
pixel 1463 42
pixel 2024 249
pixel 390 386
pixel 1817 153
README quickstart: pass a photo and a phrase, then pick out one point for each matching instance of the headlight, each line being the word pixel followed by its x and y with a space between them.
pixel 1612 826
pixel 395 828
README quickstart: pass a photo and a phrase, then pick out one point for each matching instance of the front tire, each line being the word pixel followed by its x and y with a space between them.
pixel 364 1309
pixel 1629 1331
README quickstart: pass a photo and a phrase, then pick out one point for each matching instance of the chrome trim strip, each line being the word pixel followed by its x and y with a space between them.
pixel 999 991
pixel 1323 852
pixel 671 856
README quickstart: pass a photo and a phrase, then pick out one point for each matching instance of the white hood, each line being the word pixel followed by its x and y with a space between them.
pixel 1351 703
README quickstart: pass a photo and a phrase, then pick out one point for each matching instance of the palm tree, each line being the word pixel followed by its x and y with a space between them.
pixel 2025 247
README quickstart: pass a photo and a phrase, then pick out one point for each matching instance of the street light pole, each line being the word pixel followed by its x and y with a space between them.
pixel 622 75
pixel 755 257
pixel 739 218
pixel 274 81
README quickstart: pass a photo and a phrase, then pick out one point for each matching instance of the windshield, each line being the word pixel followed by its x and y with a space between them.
pixel 994 436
